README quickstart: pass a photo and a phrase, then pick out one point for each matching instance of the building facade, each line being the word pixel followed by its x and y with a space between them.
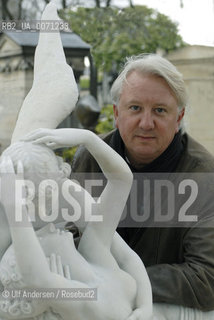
pixel 196 63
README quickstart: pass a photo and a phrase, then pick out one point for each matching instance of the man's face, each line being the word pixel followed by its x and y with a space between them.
pixel 147 117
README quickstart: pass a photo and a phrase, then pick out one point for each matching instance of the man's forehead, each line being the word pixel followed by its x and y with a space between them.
pixel 134 76
pixel 137 81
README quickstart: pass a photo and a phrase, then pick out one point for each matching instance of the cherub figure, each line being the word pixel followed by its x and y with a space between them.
pixel 102 261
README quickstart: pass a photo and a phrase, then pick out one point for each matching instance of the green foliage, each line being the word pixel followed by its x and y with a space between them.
pixel 68 154
pixel 106 120
pixel 84 83
pixel 117 33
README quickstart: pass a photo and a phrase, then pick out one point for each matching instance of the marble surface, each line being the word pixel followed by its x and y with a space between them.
pixel 54 92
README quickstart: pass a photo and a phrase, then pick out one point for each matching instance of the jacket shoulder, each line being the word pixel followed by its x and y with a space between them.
pixel 196 158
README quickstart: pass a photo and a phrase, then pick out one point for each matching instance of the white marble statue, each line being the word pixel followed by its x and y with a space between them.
pixel 54 92
pixel 103 260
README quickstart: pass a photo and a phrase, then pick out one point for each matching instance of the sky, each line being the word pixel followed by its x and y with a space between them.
pixel 195 20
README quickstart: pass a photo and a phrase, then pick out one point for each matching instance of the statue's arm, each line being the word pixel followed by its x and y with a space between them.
pixel 119 177
pixel 5 238
pixel 109 160
pixel 130 262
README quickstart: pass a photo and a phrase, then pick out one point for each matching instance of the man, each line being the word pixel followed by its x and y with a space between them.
pixel 149 104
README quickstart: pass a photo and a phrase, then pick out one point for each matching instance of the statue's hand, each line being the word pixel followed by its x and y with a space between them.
pixel 57 138
pixel 56 266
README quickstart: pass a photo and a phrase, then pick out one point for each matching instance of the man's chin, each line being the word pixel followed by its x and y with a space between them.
pixel 145 157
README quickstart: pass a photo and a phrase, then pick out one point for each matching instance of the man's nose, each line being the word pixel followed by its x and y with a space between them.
pixel 146 120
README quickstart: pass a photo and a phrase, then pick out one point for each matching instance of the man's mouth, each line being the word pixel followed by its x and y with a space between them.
pixel 144 137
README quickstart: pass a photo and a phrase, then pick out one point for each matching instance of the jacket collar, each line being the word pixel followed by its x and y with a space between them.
pixel 166 162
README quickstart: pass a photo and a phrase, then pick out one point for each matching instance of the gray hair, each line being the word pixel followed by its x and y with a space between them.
pixel 155 65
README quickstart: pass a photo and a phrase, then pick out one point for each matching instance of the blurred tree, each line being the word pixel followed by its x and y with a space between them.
pixel 25 9
pixel 11 10
pixel 116 33
pixel 20 9
pixel 106 120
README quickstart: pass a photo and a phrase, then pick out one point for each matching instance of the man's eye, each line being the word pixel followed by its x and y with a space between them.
pixel 135 108
pixel 160 110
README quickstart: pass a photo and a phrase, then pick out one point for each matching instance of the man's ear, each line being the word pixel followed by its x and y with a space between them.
pixel 180 117
pixel 115 109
